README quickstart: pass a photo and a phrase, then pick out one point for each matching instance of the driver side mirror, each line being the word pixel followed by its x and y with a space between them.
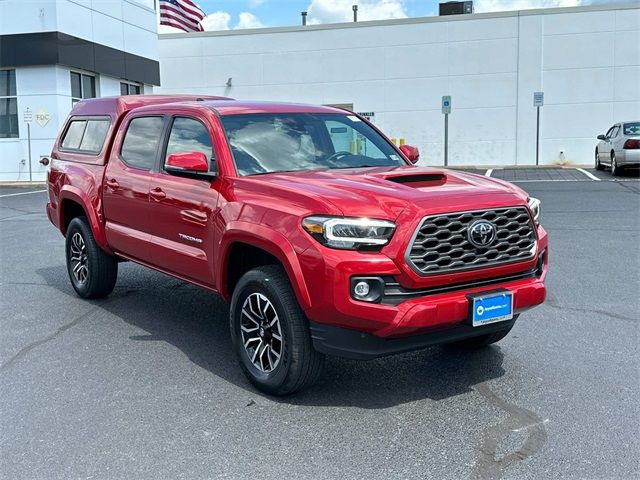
pixel 602 137
pixel 411 153
pixel 189 164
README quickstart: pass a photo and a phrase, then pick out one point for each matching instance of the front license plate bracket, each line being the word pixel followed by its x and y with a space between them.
pixel 490 307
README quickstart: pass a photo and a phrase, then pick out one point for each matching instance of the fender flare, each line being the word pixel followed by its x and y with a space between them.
pixel 69 192
pixel 270 241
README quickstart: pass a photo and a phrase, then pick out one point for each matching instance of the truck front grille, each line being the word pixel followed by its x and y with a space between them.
pixel 441 243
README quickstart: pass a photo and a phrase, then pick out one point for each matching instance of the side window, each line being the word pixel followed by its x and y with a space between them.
pixel 190 135
pixel 609 134
pixel 86 135
pixel 615 131
pixel 140 143
pixel 73 137
pixel 94 135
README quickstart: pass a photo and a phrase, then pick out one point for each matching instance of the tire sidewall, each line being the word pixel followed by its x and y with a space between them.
pixel 251 283
pixel 77 225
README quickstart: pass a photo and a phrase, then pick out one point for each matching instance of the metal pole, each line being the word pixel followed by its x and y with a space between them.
pixel 355 13
pixel 537 135
pixel 29 149
pixel 446 139
pixel 304 18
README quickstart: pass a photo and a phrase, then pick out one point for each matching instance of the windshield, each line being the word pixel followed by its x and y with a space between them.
pixel 632 128
pixel 283 142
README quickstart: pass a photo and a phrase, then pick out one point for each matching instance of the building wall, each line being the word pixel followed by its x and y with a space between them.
pixel 127 25
pixel 585 59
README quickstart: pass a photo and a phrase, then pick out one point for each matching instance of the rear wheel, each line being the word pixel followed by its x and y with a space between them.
pixel 598 164
pixel 615 169
pixel 270 333
pixel 92 272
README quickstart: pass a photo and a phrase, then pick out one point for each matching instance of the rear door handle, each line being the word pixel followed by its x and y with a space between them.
pixel 112 184
pixel 157 193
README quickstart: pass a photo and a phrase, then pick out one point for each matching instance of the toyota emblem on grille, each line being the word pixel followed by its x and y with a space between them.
pixel 481 234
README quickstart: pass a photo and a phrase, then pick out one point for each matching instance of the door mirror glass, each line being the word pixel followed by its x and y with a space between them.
pixel 412 153
pixel 601 137
pixel 195 162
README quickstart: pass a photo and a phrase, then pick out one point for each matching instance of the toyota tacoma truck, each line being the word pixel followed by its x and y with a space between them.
pixel 323 236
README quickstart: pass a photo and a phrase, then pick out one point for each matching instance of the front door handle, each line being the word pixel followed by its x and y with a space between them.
pixel 157 193
pixel 112 184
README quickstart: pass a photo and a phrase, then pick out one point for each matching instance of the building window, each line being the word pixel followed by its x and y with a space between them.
pixel 8 105
pixel 82 86
pixel 127 88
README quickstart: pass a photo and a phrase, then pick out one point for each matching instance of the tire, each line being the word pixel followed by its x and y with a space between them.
pixel 615 169
pixel 599 166
pixel 482 340
pixel 92 272
pixel 279 359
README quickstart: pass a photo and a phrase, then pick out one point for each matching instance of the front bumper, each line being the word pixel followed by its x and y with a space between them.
pixel 432 306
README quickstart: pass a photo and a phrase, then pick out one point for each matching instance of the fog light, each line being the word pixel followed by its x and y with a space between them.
pixel 361 289
pixel 367 289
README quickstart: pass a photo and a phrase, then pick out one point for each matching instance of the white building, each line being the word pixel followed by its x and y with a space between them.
pixel 586 60
pixel 54 52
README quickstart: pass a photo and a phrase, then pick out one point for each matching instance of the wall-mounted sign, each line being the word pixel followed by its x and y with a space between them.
pixel 446 104
pixel 538 99
pixel 368 115
pixel 42 117
pixel 27 116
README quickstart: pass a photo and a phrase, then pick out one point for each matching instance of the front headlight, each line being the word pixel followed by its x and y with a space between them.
pixel 349 233
pixel 534 205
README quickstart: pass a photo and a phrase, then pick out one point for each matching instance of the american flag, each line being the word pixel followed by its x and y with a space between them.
pixel 182 14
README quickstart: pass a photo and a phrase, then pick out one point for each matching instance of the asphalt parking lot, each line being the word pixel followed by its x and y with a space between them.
pixel 143 384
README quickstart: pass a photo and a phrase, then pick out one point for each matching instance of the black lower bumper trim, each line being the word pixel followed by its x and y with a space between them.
pixel 342 342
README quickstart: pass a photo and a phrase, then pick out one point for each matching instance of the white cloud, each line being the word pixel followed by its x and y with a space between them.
pixel 216 21
pixel 249 20
pixel 256 3
pixel 481 6
pixel 221 20
pixel 335 11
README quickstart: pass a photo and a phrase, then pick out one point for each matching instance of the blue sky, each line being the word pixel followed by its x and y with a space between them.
pixel 226 14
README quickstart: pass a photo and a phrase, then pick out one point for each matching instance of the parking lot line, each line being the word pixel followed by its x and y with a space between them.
pixel 21 193
pixel 588 174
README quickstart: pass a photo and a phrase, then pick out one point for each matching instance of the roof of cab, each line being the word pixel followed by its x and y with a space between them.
pixel 118 105
pixel 239 107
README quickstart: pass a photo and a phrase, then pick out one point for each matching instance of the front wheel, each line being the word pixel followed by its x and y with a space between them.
pixel 270 333
pixel 93 272
pixel 599 165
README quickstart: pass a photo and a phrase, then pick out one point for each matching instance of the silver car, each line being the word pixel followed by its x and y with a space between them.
pixel 619 147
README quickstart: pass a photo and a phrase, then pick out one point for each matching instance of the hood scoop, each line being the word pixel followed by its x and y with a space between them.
pixel 419 180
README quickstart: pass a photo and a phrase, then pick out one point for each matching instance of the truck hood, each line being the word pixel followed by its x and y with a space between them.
pixel 386 192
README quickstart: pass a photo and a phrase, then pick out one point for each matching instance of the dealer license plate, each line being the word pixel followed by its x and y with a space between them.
pixel 491 307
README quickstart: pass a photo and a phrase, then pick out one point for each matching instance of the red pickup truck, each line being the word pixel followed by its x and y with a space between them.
pixel 323 236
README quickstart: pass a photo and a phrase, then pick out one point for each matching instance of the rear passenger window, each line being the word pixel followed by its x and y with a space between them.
pixel 86 135
pixel 140 143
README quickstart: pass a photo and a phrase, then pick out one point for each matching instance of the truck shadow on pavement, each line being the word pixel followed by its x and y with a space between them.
pixel 196 322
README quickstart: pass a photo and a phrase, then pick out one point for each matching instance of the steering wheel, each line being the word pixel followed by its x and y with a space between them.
pixel 337 155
